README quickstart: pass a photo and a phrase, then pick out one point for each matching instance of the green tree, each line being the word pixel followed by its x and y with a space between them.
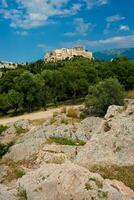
pixel 26 85
pixel 4 104
pixel 15 100
pixel 105 93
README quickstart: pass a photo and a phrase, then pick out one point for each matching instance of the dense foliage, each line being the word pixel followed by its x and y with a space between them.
pixel 102 95
pixel 34 85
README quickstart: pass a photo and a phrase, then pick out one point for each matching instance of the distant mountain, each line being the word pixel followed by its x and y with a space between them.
pixel 109 54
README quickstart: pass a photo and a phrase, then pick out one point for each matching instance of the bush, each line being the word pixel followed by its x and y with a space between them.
pixel 2 128
pixel 105 93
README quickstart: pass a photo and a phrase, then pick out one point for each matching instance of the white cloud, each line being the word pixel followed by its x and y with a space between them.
pixel 109 43
pixel 93 3
pixel 22 33
pixel 33 13
pixel 81 27
pixel 114 18
pixel 124 28
pixel 110 21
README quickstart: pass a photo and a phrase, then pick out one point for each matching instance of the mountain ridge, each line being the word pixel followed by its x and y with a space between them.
pixel 112 53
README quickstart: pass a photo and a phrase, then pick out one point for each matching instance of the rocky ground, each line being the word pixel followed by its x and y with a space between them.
pixel 67 158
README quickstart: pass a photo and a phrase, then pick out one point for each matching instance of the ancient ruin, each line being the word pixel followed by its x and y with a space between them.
pixel 61 54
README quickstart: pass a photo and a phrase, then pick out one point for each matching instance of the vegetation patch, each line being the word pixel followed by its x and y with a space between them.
pixel 124 174
pixel 66 141
pixel 2 129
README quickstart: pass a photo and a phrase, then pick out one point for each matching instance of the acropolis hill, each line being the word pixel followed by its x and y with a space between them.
pixel 61 54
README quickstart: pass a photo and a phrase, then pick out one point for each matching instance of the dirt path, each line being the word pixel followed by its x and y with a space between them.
pixel 34 116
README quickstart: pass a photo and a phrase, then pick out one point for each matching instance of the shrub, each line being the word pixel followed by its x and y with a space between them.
pixel 2 128
pixel 105 93
pixel 66 141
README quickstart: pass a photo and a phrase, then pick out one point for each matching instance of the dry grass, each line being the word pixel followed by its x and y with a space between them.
pixel 130 94
pixel 73 112
pixel 63 110
pixel 38 122
pixel 124 174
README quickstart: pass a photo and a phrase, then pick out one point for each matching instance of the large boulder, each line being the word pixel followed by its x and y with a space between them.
pixel 36 138
pixel 69 181
pixel 113 144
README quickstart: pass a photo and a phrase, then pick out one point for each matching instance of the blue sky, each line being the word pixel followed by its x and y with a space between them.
pixel 29 28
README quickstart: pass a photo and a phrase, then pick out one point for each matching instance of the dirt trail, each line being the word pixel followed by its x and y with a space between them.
pixel 35 115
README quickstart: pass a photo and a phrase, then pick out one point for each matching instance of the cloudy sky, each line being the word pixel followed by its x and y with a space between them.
pixel 29 28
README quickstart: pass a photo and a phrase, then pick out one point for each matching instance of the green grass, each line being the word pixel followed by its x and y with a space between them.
pixel 124 174
pixel 66 141
pixel 2 129
pixel 102 194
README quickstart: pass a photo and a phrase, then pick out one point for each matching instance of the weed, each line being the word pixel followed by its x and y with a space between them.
pixel 102 194
pixel 22 194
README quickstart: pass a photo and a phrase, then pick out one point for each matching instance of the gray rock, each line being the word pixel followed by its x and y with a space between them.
pixel 69 181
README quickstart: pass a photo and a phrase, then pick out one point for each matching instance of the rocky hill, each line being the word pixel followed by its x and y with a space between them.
pixel 66 158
